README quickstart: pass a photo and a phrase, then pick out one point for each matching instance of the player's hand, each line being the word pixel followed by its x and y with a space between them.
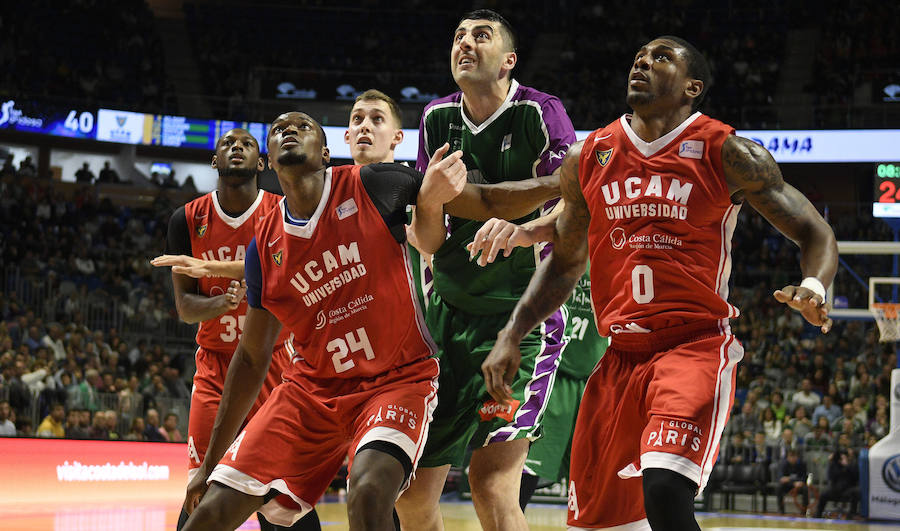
pixel 498 235
pixel 808 303
pixel 195 491
pixel 235 294
pixel 500 367
pixel 445 177
pixel 184 265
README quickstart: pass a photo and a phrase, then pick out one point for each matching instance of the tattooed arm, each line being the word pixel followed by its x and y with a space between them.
pixel 550 286
pixel 753 174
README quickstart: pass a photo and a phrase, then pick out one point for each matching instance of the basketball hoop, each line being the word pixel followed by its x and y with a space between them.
pixel 887 315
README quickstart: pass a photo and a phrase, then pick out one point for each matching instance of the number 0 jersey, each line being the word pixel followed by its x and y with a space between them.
pixel 214 235
pixel 661 225
pixel 342 284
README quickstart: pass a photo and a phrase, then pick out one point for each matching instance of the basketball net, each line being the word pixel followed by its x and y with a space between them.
pixel 887 315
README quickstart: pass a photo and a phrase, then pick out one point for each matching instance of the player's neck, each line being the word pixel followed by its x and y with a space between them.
pixel 651 125
pixel 302 191
pixel 236 199
pixel 480 101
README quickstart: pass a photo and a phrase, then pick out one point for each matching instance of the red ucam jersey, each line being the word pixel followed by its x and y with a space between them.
pixel 661 224
pixel 217 236
pixel 343 285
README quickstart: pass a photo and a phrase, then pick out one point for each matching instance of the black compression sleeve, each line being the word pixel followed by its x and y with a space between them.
pixel 392 187
pixel 178 240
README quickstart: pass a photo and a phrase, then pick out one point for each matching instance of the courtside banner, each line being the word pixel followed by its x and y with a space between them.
pixel 35 470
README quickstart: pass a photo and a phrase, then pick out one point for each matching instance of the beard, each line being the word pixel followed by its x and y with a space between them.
pixel 239 174
pixel 290 158
pixel 639 98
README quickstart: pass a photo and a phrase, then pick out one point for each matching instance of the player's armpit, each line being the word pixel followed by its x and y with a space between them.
pixel 751 171
pixel 506 200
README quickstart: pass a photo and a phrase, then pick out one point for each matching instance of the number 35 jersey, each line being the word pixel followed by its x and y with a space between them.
pixel 661 225
pixel 215 235
pixel 342 283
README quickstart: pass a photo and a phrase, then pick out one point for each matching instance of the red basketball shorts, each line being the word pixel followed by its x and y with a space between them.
pixel 657 400
pixel 209 381
pixel 298 441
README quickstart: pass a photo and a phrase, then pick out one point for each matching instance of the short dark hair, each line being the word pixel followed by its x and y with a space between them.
pixel 509 34
pixel 697 66
pixel 375 94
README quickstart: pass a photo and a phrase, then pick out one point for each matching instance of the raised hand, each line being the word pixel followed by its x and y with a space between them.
pixel 445 177
pixel 808 303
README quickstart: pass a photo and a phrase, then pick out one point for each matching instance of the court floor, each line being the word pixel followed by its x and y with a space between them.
pixel 458 516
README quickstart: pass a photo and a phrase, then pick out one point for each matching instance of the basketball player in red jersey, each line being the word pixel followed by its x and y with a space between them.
pixel 652 199
pixel 220 225
pixel 331 264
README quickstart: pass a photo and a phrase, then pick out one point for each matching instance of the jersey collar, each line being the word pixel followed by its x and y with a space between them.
pixel 648 149
pixel 475 129
pixel 307 230
pixel 238 221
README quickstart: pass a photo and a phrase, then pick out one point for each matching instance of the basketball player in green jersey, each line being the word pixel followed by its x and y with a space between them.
pixel 507 133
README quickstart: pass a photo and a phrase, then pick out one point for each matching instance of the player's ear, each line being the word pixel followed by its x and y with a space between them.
pixel 398 137
pixel 214 162
pixel 509 61
pixel 347 137
pixel 326 155
pixel 694 88
pixel 260 165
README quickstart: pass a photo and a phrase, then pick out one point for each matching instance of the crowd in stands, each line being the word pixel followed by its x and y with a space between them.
pixel 90 50
pixel 85 322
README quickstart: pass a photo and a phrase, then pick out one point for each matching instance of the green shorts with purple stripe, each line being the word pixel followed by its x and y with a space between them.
pixel 466 415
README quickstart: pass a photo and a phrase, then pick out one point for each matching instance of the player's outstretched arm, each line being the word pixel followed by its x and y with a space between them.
pixel 500 235
pixel 751 170
pixel 243 381
pixel 550 286
pixel 193 307
pixel 444 179
pixel 199 268
pixel 506 200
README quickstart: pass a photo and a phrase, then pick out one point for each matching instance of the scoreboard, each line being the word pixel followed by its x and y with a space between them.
pixel 887 190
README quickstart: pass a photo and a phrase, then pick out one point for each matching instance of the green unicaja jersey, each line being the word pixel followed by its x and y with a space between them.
pixel 526 137
pixel 586 346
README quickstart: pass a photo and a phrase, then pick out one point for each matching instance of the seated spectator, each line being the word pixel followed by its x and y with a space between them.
pixel 52 425
pixel 84 175
pixel 761 452
pixel 108 175
pixel 806 396
pixel 738 450
pixel 800 423
pixel 880 426
pixel 746 422
pixel 771 426
pixel 791 475
pixel 98 429
pixel 136 432
pixel 778 406
pixel 112 424
pixel 152 432
pixel 170 429
pixel 7 427
pixel 73 428
pixel 820 438
pixel 843 482
pixel 826 409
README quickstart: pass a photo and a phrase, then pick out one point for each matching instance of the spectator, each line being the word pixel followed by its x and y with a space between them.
pixel 738 450
pixel 98 429
pixel 771 425
pixel 174 384
pixel 843 482
pixel 820 438
pixel 746 422
pixel 170 429
pixel 7 427
pixel 791 475
pixel 52 425
pixel 800 423
pixel 53 340
pixel 879 427
pixel 778 406
pixel 27 169
pixel 84 175
pixel 806 396
pixel 151 431
pixel 112 424
pixel 136 432
pixel 826 409
pixel 73 430
pixel 108 175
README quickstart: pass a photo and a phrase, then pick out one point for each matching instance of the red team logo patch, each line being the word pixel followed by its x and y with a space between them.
pixel 201 230
pixel 604 156
pixel 277 257
pixel 491 410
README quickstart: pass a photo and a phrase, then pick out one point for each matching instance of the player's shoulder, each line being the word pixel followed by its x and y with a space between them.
pixel 709 125
pixel 452 101
pixel 525 93
pixel 204 200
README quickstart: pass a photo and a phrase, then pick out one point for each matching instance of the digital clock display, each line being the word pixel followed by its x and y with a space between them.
pixel 887 190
